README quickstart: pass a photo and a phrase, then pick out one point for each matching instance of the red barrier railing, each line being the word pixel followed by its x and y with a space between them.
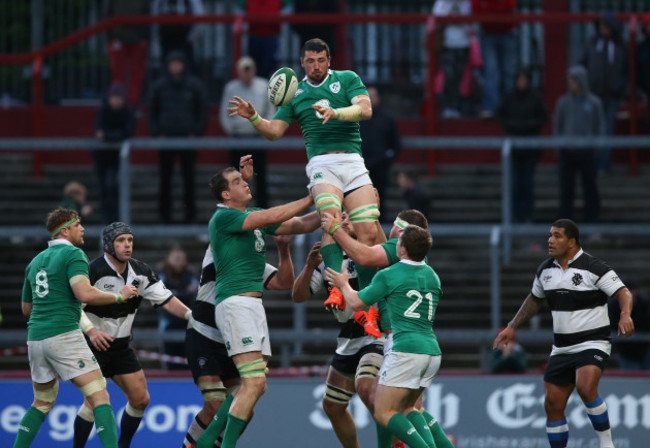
pixel 431 114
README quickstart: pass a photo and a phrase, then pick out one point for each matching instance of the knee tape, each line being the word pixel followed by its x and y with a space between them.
pixel 337 395
pixel 212 390
pixel 369 366
pixel 48 396
pixel 365 213
pixel 255 369
pixel 94 386
pixel 133 412
pixel 86 413
pixel 326 200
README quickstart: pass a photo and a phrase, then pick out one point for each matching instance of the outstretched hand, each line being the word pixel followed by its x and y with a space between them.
pixel 100 340
pixel 504 337
pixel 625 326
pixel 338 279
pixel 282 240
pixel 326 113
pixel 246 167
pixel 240 107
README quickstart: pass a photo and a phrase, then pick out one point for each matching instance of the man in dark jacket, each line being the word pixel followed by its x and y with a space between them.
pixel 380 145
pixel 177 108
pixel 522 112
pixel 605 59
pixel 115 122
pixel 578 113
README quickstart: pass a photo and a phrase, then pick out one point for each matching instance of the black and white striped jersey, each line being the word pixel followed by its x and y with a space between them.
pixel 203 320
pixel 577 299
pixel 352 337
pixel 116 319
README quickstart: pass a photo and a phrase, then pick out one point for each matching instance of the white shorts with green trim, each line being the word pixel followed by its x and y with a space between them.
pixel 346 172
pixel 67 355
pixel 409 370
pixel 242 322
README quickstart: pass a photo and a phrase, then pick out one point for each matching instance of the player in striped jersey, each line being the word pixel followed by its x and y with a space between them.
pixel 575 286
pixel 214 373
pixel 358 355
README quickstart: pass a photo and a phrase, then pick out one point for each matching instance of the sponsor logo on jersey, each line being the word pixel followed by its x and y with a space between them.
pixel 108 286
pixel 577 279
pixel 324 103
pixel 547 278
pixel 335 87
pixel 318 176
pixel 247 340
pixel 298 92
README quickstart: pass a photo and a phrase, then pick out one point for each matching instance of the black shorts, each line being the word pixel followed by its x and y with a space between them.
pixel 348 363
pixel 206 357
pixel 561 369
pixel 120 358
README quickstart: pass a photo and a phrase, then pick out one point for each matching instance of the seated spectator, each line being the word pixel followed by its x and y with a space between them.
pixel 115 122
pixel 522 112
pixel 631 354
pixel 415 197
pixel 75 197
pixel 509 358
pixel 179 278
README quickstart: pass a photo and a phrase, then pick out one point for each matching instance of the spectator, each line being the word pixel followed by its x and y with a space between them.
pixel 522 112
pixel 452 43
pixel 380 146
pixel 307 31
pixel 578 113
pixel 181 38
pixel 183 283
pixel 177 108
pixel 605 59
pixel 263 37
pixel 499 46
pixel 75 197
pixel 115 122
pixel 632 355
pixel 251 88
pixel 508 358
pixel 128 46
pixel 415 197
pixel 643 59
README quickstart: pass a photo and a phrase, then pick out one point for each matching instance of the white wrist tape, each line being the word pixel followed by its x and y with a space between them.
pixel 85 323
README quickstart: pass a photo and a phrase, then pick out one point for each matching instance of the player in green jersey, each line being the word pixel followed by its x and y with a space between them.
pixel 56 282
pixel 237 238
pixel 328 106
pixel 412 291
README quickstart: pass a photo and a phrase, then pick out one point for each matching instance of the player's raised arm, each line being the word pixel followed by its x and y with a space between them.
pixel 302 286
pixel 269 129
pixel 274 215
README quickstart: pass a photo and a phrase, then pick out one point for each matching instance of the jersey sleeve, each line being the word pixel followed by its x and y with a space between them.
pixel 610 283
pixel 27 291
pixel 269 273
pixel 77 264
pixel 230 220
pixel 375 291
pixel 317 282
pixel 272 228
pixel 390 247
pixel 538 289
pixel 156 292
pixel 285 113
pixel 353 85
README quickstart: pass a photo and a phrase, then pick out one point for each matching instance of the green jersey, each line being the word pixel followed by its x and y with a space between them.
pixel 412 291
pixel 337 90
pixel 55 309
pixel 239 256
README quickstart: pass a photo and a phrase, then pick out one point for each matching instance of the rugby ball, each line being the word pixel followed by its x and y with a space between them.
pixel 282 86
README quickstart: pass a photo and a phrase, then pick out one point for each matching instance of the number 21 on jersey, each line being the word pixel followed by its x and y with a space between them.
pixel 410 311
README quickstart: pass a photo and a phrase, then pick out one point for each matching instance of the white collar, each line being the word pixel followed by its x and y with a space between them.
pixel 112 266
pixel 329 72
pixel 413 263
pixel 59 241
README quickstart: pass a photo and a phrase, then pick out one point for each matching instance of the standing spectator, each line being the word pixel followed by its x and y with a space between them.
pixel 452 42
pixel 75 197
pixel 605 59
pixel 500 52
pixel 522 112
pixel 414 196
pixel 177 108
pixel 643 60
pixel 632 355
pixel 179 278
pixel 578 113
pixel 128 46
pixel 380 146
pixel 510 358
pixel 179 37
pixel 252 88
pixel 115 122
pixel 263 37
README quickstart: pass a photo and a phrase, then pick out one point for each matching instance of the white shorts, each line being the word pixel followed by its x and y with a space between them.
pixel 242 322
pixel 388 345
pixel 409 370
pixel 346 171
pixel 67 355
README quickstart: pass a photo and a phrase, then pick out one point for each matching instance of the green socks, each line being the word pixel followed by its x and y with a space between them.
pixel 332 256
pixel 105 425
pixel 216 426
pixel 420 424
pixel 364 274
pixel 29 426
pixel 405 431
pixel 384 437
pixel 234 429
pixel 439 436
